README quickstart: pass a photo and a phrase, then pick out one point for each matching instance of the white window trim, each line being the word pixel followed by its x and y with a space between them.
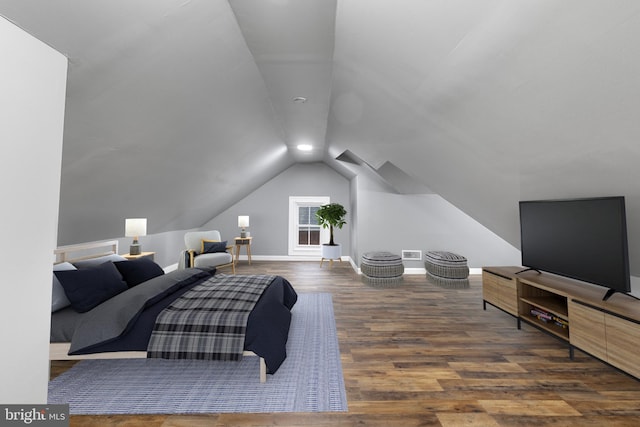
pixel 294 203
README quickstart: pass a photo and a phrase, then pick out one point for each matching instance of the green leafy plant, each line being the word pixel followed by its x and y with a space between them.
pixel 331 215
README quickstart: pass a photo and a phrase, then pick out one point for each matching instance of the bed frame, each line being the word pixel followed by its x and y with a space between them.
pixel 60 350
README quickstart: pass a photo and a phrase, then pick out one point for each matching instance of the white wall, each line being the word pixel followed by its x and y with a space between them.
pixel 32 84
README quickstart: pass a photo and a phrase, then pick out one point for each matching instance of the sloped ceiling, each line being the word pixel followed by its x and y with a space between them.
pixel 177 109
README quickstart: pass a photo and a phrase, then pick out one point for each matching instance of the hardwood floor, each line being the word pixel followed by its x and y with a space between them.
pixel 420 355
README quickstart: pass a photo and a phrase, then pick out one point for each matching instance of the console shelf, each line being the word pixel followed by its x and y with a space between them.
pixel 574 312
pixel 558 331
pixel 554 305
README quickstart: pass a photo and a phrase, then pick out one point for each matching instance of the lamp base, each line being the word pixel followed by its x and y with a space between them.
pixel 135 249
pixel 243 234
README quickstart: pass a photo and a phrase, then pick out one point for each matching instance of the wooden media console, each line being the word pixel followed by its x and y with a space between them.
pixel 570 310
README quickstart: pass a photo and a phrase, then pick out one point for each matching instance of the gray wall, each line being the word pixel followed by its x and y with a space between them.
pixel 425 222
pixel 167 246
pixel 377 219
pixel 268 208
pixel 353 236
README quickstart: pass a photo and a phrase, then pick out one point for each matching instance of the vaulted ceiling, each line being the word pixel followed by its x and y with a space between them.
pixel 177 109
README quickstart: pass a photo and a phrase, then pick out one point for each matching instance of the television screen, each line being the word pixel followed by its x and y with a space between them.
pixel 585 239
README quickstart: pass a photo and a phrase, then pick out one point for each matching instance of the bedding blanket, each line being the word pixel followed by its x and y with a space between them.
pixel 126 321
pixel 208 322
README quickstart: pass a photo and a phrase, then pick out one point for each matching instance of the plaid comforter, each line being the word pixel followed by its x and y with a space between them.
pixel 209 321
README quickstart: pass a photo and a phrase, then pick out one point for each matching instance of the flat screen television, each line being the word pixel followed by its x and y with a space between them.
pixel 584 239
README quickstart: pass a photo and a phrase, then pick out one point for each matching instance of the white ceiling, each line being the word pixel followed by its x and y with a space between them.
pixel 485 102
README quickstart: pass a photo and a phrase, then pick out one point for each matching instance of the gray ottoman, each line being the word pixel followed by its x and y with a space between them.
pixel 381 268
pixel 447 269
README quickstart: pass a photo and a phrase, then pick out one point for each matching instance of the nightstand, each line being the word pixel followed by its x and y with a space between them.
pixel 246 242
pixel 142 255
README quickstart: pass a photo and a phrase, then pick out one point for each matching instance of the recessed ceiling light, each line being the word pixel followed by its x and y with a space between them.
pixel 299 99
pixel 305 147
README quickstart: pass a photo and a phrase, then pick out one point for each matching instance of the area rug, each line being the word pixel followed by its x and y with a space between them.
pixel 309 380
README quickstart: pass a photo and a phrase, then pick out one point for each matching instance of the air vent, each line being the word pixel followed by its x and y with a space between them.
pixel 411 255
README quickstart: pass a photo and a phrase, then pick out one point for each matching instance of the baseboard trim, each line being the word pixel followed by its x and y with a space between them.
pixel 408 271
pixel 170 268
pixel 283 258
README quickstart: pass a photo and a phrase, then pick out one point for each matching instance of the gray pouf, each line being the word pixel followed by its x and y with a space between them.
pixel 381 268
pixel 447 269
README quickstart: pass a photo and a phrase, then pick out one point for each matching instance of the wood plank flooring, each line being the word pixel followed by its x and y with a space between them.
pixel 420 355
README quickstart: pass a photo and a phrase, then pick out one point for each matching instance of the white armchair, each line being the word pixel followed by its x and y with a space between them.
pixel 206 249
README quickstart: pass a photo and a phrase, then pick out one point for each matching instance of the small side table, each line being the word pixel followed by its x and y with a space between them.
pixel 142 255
pixel 246 242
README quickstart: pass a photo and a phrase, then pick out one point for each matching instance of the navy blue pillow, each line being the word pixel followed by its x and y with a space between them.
pixel 213 247
pixel 138 270
pixel 88 287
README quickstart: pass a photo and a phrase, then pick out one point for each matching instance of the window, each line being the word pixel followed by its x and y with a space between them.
pixel 305 234
pixel 308 227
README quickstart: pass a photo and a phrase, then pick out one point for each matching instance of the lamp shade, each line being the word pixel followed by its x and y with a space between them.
pixel 134 227
pixel 243 221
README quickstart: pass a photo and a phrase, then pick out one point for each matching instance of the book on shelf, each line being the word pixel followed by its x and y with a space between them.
pixel 546 317
pixel 541 314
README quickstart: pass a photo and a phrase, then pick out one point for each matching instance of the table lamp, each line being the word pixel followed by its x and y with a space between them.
pixel 243 222
pixel 135 227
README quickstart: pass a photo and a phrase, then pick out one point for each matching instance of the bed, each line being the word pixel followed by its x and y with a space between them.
pixel 145 315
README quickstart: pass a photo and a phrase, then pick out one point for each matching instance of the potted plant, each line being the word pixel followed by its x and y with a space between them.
pixel 329 216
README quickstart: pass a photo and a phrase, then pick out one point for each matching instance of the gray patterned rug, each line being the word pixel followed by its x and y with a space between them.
pixel 309 380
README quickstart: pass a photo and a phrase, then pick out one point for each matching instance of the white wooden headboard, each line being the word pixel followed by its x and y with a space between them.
pixel 81 251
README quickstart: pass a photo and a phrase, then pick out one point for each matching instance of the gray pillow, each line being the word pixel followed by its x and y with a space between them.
pixel 59 299
pixel 94 262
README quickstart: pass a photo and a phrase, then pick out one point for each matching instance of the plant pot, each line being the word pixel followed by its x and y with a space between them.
pixel 331 251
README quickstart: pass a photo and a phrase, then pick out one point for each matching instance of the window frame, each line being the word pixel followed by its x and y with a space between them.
pixel 304 201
